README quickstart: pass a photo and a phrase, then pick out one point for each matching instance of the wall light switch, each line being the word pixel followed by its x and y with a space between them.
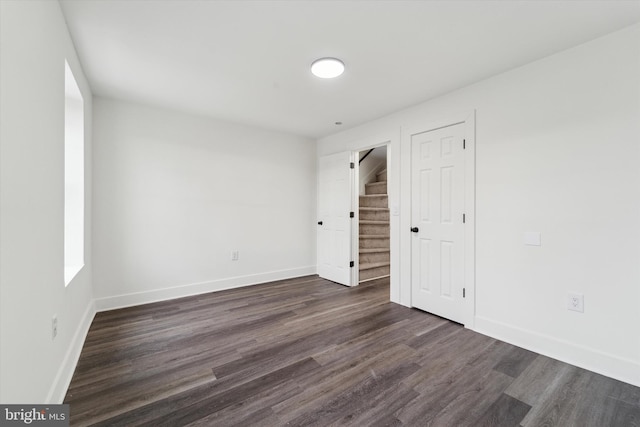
pixel 395 210
pixel 532 238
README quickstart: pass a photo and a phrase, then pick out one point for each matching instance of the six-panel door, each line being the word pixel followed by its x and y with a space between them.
pixel 334 234
pixel 437 185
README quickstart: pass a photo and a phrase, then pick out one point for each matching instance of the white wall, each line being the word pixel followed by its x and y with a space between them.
pixel 558 151
pixel 34 368
pixel 174 194
pixel 375 162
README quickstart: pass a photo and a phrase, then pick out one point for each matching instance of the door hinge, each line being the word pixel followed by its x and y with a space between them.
pixel 352 264
pixel 464 218
pixel 464 144
pixel 464 293
pixel 352 165
pixel 352 215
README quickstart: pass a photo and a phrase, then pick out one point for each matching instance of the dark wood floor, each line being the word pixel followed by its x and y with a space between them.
pixel 307 352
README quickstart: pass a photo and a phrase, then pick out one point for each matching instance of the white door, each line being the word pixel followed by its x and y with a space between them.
pixel 437 247
pixel 334 222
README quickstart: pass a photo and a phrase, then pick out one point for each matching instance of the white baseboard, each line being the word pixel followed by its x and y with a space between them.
pixel 137 298
pixel 625 370
pixel 63 377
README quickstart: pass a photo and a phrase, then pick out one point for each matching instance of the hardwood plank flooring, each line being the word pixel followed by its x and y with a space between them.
pixel 308 352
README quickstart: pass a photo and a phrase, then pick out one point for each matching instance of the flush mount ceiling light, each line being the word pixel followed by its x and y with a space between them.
pixel 327 68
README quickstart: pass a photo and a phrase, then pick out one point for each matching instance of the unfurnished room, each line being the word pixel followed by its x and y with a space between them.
pixel 320 213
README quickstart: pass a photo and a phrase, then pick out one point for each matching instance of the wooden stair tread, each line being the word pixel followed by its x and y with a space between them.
pixel 371 208
pixel 373 222
pixel 374 236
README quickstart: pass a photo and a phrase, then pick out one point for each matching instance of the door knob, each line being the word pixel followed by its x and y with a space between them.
pixel 319 222
pixel 414 229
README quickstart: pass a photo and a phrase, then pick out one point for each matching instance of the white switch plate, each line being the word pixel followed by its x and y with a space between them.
pixel 575 302
pixel 532 238
pixel 235 255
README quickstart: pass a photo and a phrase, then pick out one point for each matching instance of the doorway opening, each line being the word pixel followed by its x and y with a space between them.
pixel 373 236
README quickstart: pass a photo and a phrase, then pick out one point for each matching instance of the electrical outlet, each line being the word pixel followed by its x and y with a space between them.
pixel 235 255
pixel 54 326
pixel 575 302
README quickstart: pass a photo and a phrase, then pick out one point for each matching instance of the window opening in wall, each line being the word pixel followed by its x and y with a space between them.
pixel 73 177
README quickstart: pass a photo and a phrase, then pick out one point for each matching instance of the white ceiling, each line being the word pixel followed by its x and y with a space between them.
pixel 248 61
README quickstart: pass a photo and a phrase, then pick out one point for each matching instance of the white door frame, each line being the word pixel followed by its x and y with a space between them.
pixel 468 119
pixel 390 138
pixel 355 224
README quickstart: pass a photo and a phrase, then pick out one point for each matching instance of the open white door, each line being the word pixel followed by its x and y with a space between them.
pixel 438 221
pixel 334 222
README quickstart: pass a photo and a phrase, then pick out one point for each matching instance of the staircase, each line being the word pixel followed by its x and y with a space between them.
pixel 374 230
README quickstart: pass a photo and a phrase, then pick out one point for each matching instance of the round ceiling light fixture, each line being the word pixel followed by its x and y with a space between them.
pixel 327 68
